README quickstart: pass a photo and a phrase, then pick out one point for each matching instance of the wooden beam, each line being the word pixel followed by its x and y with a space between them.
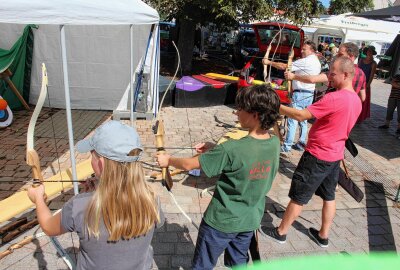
pixel 19 201
pixel 6 77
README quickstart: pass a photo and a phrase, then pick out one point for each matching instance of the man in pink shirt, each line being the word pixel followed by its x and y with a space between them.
pixel 318 168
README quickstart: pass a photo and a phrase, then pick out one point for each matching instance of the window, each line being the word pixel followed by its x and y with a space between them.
pixel 385 47
pixel 329 39
pixel 287 36
pixel 249 40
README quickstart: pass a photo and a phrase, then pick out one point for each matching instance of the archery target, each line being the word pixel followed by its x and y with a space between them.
pixel 6 115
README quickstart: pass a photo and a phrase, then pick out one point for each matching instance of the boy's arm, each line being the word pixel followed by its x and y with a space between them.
pixel 299 115
pixel 307 78
pixel 187 164
pixel 51 224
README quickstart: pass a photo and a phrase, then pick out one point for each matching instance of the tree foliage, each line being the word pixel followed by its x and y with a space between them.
pixel 353 6
pixel 230 13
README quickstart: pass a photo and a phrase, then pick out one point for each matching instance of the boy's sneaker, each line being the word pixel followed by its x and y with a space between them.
pixel 273 234
pixel 314 233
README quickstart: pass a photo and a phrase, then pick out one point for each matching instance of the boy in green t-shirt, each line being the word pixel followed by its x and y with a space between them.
pixel 247 168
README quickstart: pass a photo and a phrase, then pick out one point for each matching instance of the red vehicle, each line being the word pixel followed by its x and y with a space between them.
pixel 282 37
pixel 291 35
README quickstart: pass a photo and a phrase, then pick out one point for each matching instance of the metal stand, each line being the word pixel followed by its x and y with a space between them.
pixel 119 115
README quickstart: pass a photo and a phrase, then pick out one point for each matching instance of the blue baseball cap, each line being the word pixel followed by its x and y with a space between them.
pixel 112 140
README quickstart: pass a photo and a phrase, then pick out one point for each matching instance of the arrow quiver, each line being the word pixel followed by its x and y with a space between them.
pixel 159 133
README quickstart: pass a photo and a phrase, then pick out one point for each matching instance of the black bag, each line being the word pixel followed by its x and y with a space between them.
pixel 351 147
pixel 347 184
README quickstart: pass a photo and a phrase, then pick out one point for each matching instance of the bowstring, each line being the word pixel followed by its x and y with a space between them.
pixel 276 49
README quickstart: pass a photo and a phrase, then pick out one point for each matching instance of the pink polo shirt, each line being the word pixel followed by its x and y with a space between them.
pixel 336 114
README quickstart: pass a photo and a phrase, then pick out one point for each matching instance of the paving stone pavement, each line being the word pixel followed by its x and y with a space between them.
pixel 372 225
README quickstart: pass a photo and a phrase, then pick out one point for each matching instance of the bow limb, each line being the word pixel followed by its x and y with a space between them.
pixel 166 176
pixel 159 128
pixel 32 157
pixel 265 71
pixel 289 68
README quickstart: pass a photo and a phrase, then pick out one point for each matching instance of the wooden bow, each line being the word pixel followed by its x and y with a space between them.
pixel 266 56
pixel 32 157
pixel 159 132
pixel 265 71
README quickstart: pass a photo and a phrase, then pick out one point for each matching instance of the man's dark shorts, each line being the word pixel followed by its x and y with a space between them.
pixel 313 175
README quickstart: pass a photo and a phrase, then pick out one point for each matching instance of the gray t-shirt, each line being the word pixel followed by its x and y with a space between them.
pixel 135 253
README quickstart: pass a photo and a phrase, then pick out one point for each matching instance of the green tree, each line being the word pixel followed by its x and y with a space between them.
pixel 229 13
pixel 353 6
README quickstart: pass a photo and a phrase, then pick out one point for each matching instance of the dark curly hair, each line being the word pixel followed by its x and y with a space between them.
pixel 261 99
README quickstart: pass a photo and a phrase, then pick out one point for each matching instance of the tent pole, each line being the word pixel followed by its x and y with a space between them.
pixel 131 74
pixel 68 109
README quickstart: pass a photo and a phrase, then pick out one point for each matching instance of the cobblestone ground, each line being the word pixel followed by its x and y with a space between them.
pixel 372 225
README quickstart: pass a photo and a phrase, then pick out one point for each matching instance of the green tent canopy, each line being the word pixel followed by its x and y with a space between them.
pixel 18 60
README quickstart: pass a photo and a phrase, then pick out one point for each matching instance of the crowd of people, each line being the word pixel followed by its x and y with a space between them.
pixel 328 50
pixel 116 221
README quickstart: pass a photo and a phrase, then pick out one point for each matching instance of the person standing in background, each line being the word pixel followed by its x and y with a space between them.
pixel 393 102
pixel 368 66
pixel 334 50
pixel 361 53
pixel 303 93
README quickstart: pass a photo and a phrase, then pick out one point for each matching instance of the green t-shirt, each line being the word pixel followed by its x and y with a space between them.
pixel 247 168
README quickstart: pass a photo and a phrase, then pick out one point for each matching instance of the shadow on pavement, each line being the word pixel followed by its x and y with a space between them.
pixel 382 142
pixel 173 247
pixel 278 210
pixel 380 233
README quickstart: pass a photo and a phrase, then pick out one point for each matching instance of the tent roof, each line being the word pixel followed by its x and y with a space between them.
pixel 387 14
pixel 77 12
pixel 350 22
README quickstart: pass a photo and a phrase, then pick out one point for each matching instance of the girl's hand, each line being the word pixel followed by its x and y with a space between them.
pixel 204 147
pixel 36 193
pixel 163 160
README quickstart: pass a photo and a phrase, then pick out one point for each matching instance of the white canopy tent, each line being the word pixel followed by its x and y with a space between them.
pixel 103 41
pixel 352 28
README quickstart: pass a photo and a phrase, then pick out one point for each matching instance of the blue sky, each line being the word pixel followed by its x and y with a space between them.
pixel 325 2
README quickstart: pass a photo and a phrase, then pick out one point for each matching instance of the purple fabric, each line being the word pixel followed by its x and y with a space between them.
pixel 189 84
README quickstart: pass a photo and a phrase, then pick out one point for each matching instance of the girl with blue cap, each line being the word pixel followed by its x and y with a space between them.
pixel 115 223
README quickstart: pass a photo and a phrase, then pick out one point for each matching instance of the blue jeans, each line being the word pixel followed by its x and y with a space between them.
pixel 300 101
pixel 211 243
